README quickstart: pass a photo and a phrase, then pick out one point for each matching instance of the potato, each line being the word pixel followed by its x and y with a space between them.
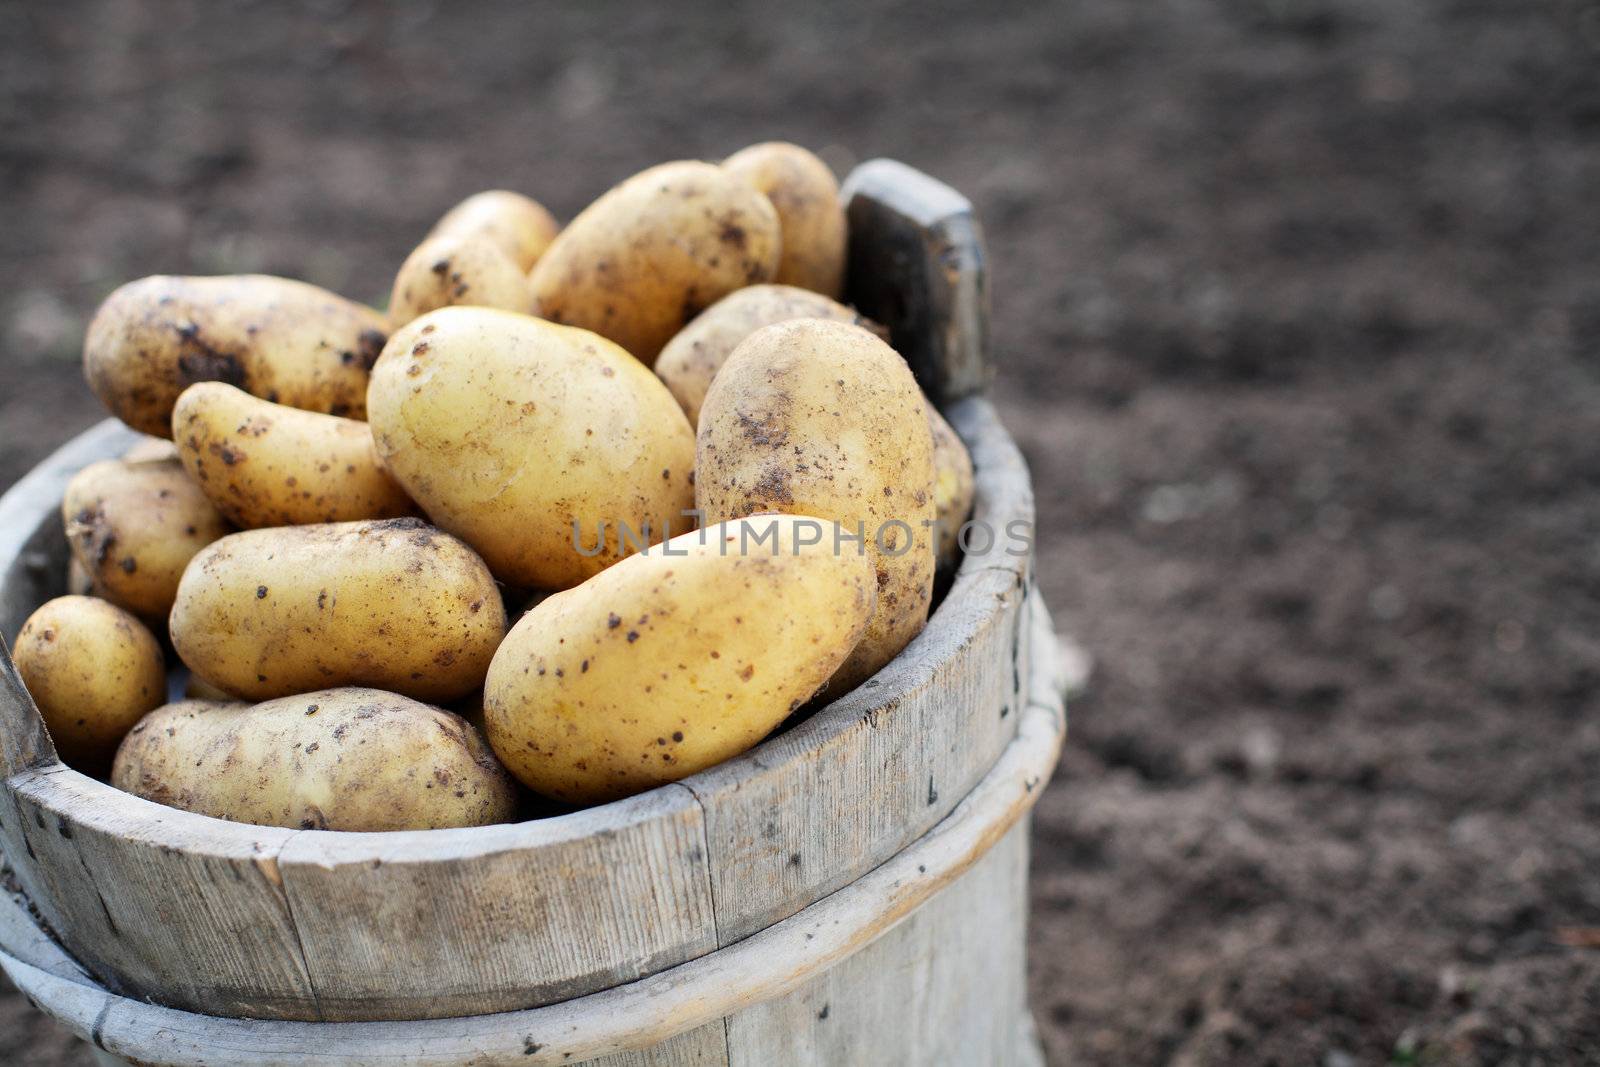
pixel 281 340
pixel 520 226
pixel 509 431
pixel 676 659
pixel 334 759
pixel 264 464
pixel 94 670
pixel 806 195
pixel 454 270
pixel 197 688
pixel 821 418
pixel 148 448
pixel 952 487
pixel 79 581
pixel 134 526
pixel 394 604
pixel 693 356
pixel 655 251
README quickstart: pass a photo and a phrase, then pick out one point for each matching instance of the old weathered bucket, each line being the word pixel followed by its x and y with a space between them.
pixel 851 890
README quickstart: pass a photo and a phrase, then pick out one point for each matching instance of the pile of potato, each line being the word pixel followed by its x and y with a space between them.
pixel 637 432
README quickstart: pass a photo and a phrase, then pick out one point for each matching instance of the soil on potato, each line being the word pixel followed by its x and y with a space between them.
pixel 1297 312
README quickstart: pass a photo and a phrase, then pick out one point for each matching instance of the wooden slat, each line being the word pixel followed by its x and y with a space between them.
pixel 33 561
pixel 917 265
pixel 705 1046
pixel 24 741
pixel 154 902
pixel 22 936
pixel 946 986
pixel 518 917
pixel 814 808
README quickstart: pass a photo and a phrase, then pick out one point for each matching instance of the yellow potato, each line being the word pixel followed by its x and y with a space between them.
pixel 94 670
pixel 395 604
pixel 676 659
pixel 197 688
pixel 334 759
pixel 821 418
pixel 655 251
pixel 806 195
pixel 79 581
pixel 457 270
pixel 509 430
pixel 275 338
pixel 695 354
pixel 519 225
pixel 134 526
pixel 148 448
pixel 263 464
pixel 952 486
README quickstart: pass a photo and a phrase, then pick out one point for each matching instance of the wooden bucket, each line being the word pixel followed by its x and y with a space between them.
pixel 852 890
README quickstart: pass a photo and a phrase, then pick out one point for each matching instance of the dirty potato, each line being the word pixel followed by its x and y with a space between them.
pixel 952 486
pixel 519 225
pixel 197 688
pixel 148 448
pixel 134 526
pixel 79 581
pixel 534 443
pixel 695 354
pixel 457 270
pixel 821 418
pixel 264 464
pixel 93 670
pixel 654 252
pixel 275 338
pixel 806 195
pixel 394 604
pixel 676 659
pixel 334 759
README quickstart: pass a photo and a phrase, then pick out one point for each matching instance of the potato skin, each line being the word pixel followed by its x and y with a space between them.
pixel 197 688
pixel 451 270
pixel 134 526
pixel 655 251
pixel 507 429
pixel 675 659
pixel 695 354
pixel 149 448
pixel 334 759
pixel 805 194
pixel 79 582
pixel 953 486
pixel 518 224
pixel 94 670
pixel 395 604
pixel 264 464
pixel 821 418
pixel 275 338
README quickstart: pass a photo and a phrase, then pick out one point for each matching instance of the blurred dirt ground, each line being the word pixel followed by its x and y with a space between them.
pixel 1298 310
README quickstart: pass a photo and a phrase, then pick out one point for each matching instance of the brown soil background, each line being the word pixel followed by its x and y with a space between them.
pixel 1297 311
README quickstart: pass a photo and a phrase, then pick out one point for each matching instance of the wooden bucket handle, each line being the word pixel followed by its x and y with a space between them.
pixel 918 266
